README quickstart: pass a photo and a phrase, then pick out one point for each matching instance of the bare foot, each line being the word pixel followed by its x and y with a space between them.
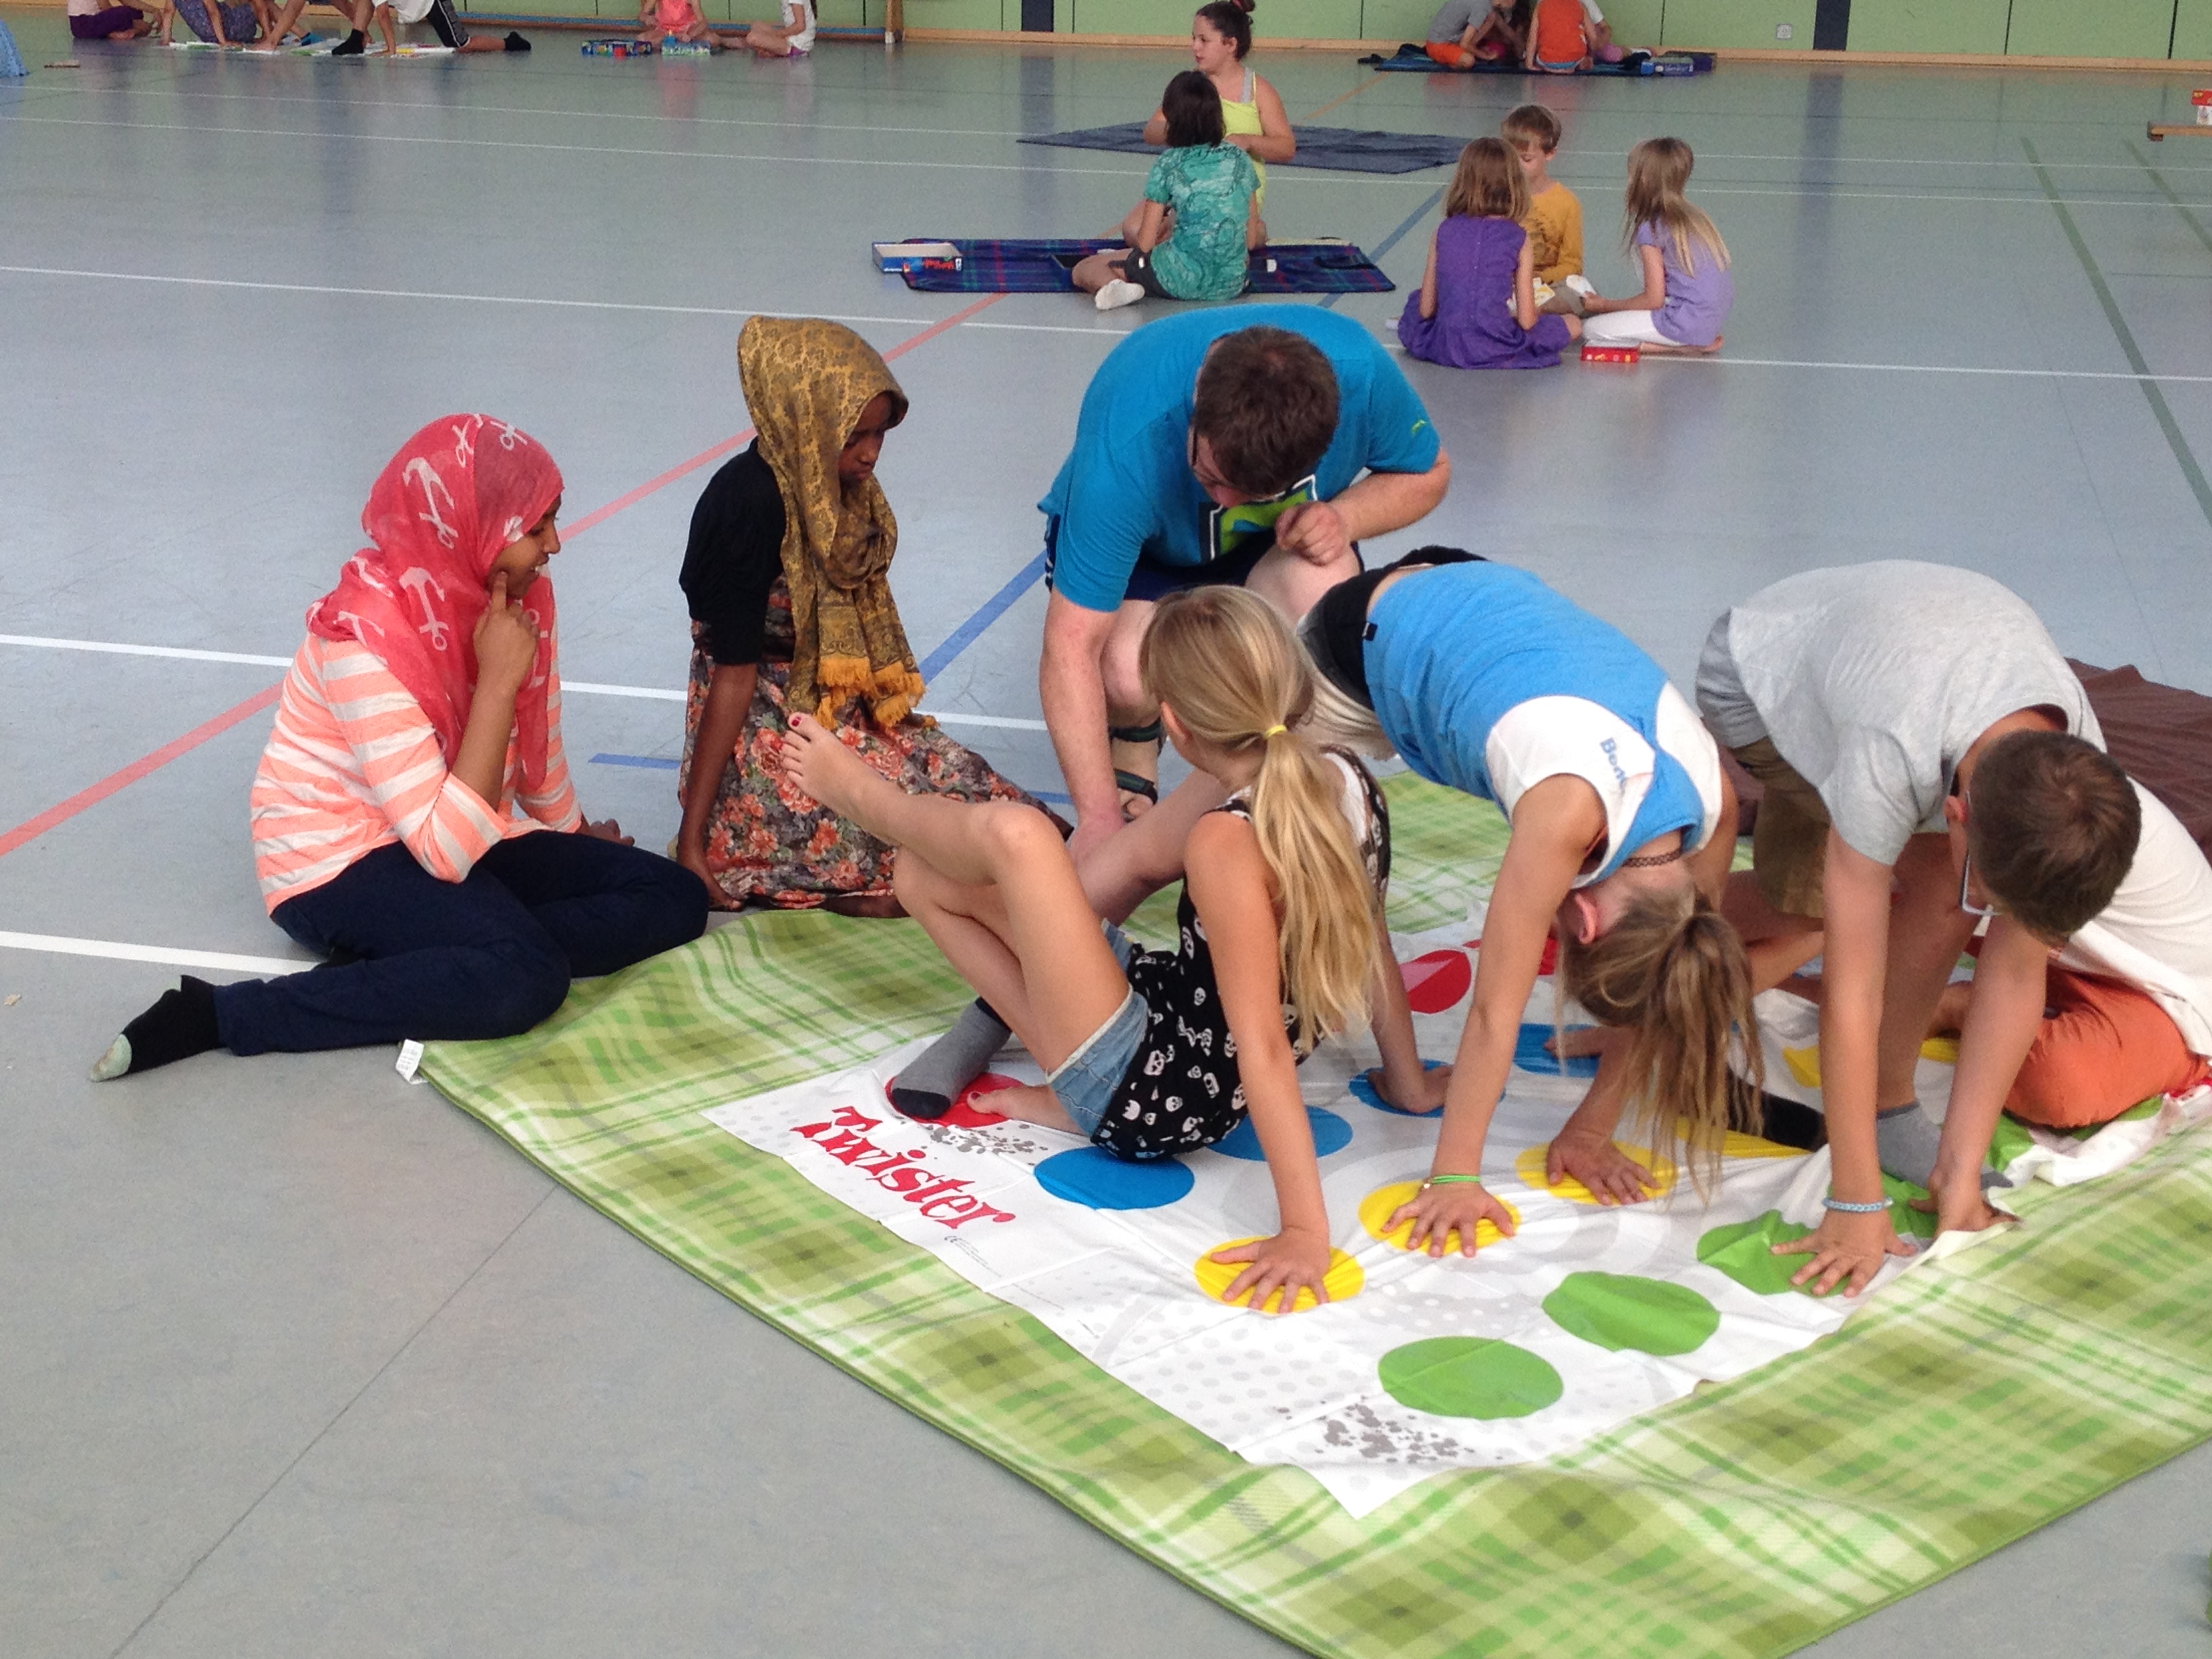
pixel 1032 1103
pixel 813 761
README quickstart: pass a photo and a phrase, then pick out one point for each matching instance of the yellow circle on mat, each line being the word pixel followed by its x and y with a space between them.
pixel 1739 1145
pixel 1343 1280
pixel 1374 1210
pixel 1529 1166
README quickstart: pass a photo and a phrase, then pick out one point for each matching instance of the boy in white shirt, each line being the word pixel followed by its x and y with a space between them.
pixel 1868 700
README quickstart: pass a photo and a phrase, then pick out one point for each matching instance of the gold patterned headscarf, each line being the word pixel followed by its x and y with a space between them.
pixel 806 382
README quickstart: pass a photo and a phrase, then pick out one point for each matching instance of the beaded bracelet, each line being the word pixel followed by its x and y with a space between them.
pixel 1448 1180
pixel 1849 1208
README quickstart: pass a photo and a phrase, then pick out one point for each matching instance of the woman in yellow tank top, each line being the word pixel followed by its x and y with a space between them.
pixel 1251 113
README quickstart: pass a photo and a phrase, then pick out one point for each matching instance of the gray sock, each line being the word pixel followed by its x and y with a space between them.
pixel 1906 1138
pixel 930 1083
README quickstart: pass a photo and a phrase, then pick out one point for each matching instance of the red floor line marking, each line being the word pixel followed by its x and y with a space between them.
pixel 31 829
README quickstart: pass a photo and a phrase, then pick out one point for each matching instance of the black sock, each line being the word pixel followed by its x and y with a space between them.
pixel 515 42
pixel 353 46
pixel 180 1024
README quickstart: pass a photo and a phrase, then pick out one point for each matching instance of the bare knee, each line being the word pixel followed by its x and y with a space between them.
pixel 1016 836
pixel 1117 669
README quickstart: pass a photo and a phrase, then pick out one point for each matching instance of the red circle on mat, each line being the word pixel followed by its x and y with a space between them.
pixel 965 1114
pixel 1436 981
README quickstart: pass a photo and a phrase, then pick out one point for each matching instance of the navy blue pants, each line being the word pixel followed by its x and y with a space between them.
pixel 489 956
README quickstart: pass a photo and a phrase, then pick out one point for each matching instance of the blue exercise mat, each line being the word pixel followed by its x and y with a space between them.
pixel 1339 150
pixel 11 61
pixel 1028 266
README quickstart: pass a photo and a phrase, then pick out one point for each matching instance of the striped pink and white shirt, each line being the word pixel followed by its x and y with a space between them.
pixel 354 764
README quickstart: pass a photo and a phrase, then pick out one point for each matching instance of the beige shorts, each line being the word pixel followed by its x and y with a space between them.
pixel 1789 840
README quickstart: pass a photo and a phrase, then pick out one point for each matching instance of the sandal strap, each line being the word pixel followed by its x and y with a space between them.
pixel 1135 785
pixel 1152 733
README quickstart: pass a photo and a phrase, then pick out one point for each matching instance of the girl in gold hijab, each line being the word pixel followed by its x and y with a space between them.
pixel 787 578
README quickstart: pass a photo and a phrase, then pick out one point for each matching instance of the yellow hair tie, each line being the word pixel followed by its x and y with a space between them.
pixel 1272 732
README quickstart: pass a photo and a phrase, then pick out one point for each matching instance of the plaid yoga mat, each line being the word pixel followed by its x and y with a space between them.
pixel 1047 267
pixel 1984 1394
pixel 1338 149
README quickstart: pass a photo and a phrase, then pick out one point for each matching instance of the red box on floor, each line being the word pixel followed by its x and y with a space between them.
pixel 1611 353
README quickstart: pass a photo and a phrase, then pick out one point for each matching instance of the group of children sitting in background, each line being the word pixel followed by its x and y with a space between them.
pixel 268 25
pixel 1504 288
pixel 1548 36
pixel 791 36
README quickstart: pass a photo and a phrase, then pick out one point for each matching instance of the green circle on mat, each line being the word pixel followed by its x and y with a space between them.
pixel 1744 1250
pixel 1468 1377
pixel 1625 1310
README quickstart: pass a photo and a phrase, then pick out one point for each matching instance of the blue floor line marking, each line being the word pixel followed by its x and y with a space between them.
pixel 992 609
pixel 1393 239
pixel 651 763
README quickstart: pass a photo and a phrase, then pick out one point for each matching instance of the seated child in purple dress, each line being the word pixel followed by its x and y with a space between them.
pixel 1476 307
pixel 1687 285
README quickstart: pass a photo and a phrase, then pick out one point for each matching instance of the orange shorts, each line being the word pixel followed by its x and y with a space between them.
pixel 1446 52
pixel 2105 1046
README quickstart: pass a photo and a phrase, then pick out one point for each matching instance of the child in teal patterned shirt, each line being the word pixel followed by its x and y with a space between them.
pixel 1198 201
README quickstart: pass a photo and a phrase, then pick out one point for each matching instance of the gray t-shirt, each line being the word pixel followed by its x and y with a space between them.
pixel 1454 17
pixel 1872 680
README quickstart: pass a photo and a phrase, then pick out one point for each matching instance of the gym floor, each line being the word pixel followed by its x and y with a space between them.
pixel 299 1359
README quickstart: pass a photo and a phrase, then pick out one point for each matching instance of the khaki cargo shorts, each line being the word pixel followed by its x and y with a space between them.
pixel 1789 839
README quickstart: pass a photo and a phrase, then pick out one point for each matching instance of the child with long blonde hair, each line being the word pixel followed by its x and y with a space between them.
pixel 1687 287
pixel 1153 1053
pixel 1623 828
pixel 1476 307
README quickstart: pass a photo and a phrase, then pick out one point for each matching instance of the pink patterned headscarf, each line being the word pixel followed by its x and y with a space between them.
pixel 458 492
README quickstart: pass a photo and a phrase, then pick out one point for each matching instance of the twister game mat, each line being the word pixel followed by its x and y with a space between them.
pixel 1586 1317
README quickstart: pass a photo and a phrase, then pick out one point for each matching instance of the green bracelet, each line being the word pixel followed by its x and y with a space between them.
pixel 1447 1179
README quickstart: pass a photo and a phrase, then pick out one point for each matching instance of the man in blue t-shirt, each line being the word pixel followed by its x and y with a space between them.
pixel 1255 445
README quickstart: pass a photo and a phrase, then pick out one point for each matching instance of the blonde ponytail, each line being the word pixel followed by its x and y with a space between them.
pixel 1226 662
pixel 1673 971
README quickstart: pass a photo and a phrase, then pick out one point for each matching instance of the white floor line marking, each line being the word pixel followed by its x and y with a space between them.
pixel 603 149
pixel 593 689
pixel 422 294
pixel 117 951
pixel 1888 161
pixel 189 655
pixel 986 132
pixel 1390 342
pixel 581 114
pixel 1007 722
pixel 586 688
pixel 1055 328
pixel 1936 368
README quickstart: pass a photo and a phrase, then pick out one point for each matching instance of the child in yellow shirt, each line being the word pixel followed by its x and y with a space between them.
pixel 1554 224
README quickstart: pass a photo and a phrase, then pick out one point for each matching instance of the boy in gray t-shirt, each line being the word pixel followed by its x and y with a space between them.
pixel 1862 698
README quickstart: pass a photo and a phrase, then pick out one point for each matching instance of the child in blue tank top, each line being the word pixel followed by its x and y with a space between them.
pixel 1486 681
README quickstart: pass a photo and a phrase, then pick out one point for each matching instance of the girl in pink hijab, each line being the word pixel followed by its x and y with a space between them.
pixel 413 820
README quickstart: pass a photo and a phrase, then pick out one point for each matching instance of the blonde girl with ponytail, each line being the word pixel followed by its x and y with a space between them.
pixel 1623 828
pixel 1279 939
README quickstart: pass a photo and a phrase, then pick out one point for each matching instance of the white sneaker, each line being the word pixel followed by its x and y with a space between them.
pixel 1117 293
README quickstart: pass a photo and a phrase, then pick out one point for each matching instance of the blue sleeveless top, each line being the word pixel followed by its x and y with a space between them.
pixel 1452 651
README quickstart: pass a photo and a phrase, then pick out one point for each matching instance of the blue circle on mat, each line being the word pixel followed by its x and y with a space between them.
pixel 1331 1133
pixel 1530 1055
pixel 1363 1092
pixel 1103 1182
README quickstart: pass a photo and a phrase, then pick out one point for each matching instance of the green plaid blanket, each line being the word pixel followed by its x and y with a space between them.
pixel 1981 1397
